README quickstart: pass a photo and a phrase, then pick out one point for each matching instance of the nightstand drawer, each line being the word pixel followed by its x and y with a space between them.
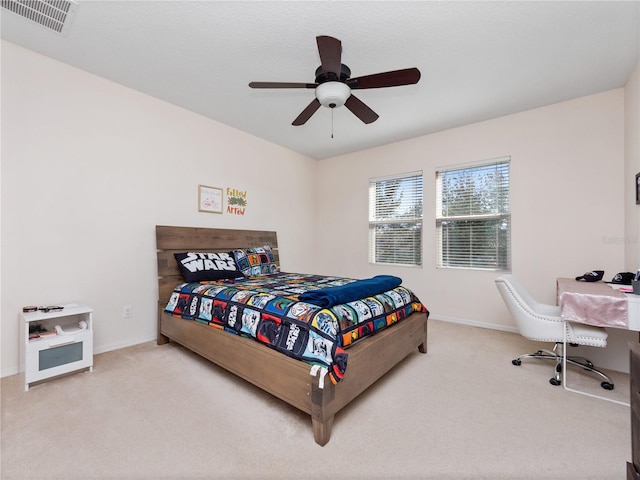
pixel 55 357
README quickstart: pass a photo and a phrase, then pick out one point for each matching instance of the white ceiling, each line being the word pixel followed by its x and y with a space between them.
pixel 479 60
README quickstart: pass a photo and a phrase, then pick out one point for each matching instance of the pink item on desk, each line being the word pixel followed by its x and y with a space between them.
pixel 593 303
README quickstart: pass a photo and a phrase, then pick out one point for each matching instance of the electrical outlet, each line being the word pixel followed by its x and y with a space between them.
pixel 127 311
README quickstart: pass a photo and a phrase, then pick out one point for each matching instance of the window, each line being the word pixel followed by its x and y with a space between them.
pixel 473 218
pixel 395 220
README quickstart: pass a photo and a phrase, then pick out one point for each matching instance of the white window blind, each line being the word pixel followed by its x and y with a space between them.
pixel 473 216
pixel 395 219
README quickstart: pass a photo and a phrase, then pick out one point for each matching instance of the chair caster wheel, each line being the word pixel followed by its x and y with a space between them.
pixel 555 382
pixel 516 362
pixel 607 385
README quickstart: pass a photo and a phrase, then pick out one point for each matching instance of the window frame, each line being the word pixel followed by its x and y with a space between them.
pixel 500 196
pixel 416 201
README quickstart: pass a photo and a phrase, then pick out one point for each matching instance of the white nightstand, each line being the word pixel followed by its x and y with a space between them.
pixel 64 343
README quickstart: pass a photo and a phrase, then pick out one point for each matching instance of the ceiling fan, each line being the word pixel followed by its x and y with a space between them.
pixel 333 84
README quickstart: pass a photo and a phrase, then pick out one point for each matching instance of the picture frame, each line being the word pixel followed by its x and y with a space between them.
pixel 209 199
pixel 637 188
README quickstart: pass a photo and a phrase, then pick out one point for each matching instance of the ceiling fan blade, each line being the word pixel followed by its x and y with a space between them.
pixel 330 50
pixel 360 110
pixel 396 78
pixel 306 113
pixel 282 85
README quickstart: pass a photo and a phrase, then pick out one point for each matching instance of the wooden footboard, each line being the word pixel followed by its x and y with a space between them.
pixel 289 379
pixel 286 378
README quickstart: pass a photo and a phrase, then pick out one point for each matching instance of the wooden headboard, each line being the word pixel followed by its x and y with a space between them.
pixel 170 240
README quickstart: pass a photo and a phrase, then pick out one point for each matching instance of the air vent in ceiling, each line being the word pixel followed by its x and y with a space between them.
pixel 55 15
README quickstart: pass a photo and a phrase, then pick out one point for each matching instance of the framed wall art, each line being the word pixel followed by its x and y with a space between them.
pixel 209 199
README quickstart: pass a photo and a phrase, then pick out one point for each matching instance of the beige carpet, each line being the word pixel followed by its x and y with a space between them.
pixel 461 411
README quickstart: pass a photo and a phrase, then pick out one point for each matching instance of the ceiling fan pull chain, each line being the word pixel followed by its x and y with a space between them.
pixel 332 122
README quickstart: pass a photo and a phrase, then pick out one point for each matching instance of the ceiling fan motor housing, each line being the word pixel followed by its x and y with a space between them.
pixel 332 94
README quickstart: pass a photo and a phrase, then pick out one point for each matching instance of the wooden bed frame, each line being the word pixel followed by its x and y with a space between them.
pixel 283 377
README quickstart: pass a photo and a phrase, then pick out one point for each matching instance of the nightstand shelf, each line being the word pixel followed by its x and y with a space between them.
pixel 56 342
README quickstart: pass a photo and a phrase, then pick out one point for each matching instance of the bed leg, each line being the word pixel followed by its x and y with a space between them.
pixel 160 338
pixel 322 430
pixel 422 348
pixel 321 410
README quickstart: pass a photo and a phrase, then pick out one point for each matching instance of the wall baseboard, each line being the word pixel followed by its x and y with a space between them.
pixel 118 346
pixel 7 372
pixel 615 357
pixel 473 323
pixel 621 367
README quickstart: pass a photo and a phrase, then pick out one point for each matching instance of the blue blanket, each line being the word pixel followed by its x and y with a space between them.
pixel 328 297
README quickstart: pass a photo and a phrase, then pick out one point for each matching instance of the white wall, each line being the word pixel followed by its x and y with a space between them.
pixel 632 163
pixel 567 173
pixel 90 167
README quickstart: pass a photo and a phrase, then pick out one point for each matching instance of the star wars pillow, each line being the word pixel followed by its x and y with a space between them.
pixel 202 267
pixel 255 262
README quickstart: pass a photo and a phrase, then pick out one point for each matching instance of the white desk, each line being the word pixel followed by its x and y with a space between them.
pixel 600 304
pixel 633 305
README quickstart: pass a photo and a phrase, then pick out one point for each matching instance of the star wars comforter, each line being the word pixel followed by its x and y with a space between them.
pixel 268 309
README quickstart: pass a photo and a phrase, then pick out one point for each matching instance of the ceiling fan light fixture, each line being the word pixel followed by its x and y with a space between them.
pixel 332 94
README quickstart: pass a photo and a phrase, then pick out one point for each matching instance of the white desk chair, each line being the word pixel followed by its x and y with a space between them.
pixel 542 323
